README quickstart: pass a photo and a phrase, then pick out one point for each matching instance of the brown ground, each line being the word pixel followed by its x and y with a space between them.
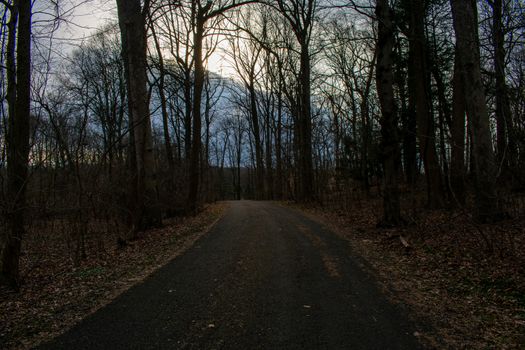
pixel 467 281
pixel 57 293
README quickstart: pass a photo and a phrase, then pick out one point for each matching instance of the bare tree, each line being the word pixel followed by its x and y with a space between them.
pixel 132 19
pixel 485 170
pixel 505 141
pixel 389 139
pixel 201 14
pixel 245 57
pixel 301 15
pixel 419 86
pixel 19 100
pixel 162 95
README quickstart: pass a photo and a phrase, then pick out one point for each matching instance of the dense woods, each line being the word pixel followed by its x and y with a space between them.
pixel 418 103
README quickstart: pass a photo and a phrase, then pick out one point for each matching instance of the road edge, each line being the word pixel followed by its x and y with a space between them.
pixel 188 242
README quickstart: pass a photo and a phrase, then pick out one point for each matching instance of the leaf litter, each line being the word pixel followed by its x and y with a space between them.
pixel 57 294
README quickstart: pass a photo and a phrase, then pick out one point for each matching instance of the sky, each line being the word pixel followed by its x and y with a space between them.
pixel 85 16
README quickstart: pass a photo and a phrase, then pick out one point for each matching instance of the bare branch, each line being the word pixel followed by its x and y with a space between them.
pixel 6 4
pixel 231 6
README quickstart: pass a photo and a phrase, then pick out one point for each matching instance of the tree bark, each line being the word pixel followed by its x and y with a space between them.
pixel 307 192
pixel 133 34
pixel 187 114
pixel 425 123
pixel 389 134
pixel 485 171
pixel 19 101
pixel 194 169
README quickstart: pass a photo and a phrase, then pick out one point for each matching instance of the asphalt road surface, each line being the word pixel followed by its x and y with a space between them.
pixel 265 277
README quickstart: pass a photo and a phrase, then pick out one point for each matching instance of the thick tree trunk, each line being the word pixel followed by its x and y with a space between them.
pixel 133 34
pixel 425 122
pixel 194 173
pixel 467 40
pixel 389 137
pixel 306 191
pixel 19 100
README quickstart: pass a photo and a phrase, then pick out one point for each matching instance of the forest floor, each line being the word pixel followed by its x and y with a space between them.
pixel 56 294
pixel 467 281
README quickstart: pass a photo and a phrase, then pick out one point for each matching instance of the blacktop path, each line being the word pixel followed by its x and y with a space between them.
pixel 264 277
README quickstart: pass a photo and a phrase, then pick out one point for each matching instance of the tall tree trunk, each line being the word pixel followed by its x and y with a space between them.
pixel 163 104
pixel 268 155
pixel 19 100
pixel 254 115
pixel 445 120
pixel 193 195
pixel 389 137
pixel 133 34
pixel 467 40
pixel 305 128
pixel 365 126
pixel 278 146
pixel 506 148
pixel 238 172
pixel 205 163
pixel 300 15
pixel 425 122
pixel 365 136
pixel 457 154
pixel 409 133
pixel 187 115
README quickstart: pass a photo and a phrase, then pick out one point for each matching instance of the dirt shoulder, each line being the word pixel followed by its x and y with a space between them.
pixel 466 281
pixel 56 294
